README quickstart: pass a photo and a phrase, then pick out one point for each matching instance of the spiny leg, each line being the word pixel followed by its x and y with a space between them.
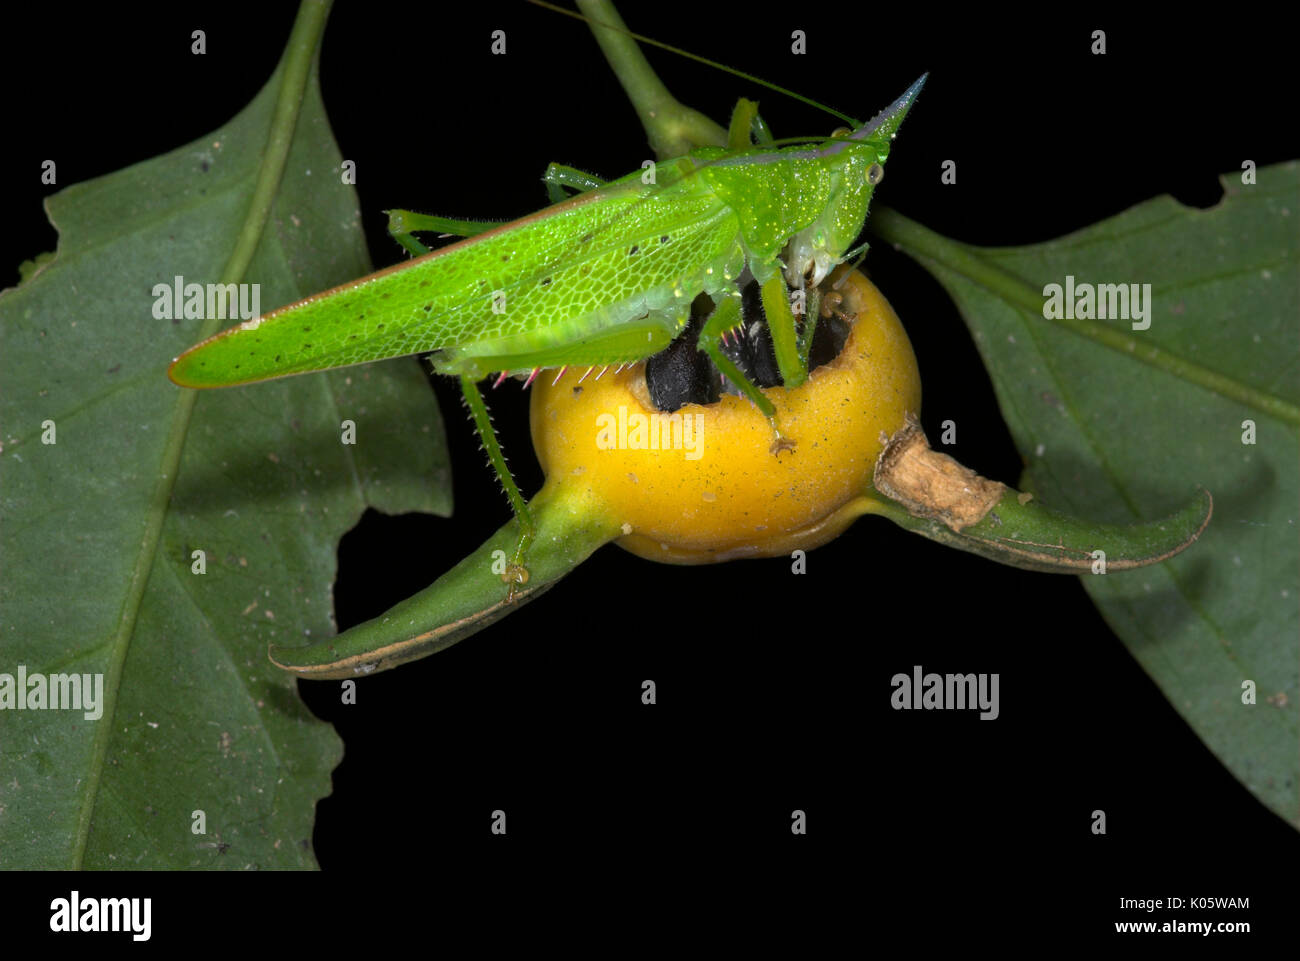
pixel 727 318
pixel 812 310
pixel 400 223
pixel 780 322
pixel 516 573
pixel 403 223
pixel 558 176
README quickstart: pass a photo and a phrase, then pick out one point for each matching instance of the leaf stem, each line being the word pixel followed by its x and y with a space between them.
pixel 293 73
pixel 673 128
pixel 924 244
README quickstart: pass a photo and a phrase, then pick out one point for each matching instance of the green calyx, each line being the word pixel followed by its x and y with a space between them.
pixel 469 597
pixel 931 494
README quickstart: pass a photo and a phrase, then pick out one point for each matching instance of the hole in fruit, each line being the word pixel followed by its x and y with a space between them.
pixel 683 374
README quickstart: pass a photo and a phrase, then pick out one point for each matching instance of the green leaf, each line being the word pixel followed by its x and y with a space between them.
pixel 1119 425
pixel 98 530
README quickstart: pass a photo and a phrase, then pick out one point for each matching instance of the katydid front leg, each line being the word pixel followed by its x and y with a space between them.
pixel 780 321
pixel 725 319
pixel 812 311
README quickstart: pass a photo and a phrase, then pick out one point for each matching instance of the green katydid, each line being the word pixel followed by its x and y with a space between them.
pixel 606 277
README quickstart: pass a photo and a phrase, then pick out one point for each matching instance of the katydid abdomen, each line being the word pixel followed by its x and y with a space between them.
pixel 603 278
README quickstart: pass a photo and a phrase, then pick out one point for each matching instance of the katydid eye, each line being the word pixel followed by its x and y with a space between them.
pixel 875 174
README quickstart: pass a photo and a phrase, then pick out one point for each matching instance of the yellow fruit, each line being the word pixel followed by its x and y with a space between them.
pixel 702 485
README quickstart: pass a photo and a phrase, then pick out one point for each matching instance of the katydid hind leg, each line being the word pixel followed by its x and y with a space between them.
pixel 626 342
pixel 516 573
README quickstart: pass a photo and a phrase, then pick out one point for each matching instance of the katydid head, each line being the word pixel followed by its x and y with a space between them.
pixel 861 154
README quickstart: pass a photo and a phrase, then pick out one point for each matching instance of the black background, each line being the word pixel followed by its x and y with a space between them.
pixel 773 690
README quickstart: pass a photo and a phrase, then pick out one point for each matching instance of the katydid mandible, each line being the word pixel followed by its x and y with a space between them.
pixel 605 277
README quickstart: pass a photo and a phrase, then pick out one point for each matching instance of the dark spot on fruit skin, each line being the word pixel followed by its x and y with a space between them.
pixel 577 391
